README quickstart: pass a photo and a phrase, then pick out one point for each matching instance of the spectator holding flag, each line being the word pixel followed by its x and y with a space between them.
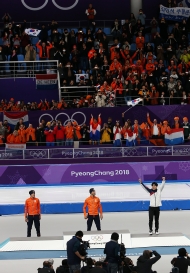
pixel 117 134
pixel 95 127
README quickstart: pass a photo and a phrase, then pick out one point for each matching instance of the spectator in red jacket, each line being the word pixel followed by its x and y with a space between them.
pixel 49 133
pixel 59 132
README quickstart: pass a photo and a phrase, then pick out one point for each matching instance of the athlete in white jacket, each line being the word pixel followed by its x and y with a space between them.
pixel 155 203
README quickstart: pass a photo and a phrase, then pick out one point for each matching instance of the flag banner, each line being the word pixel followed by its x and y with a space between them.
pixel 46 81
pixel 134 102
pixel 32 31
pixel 15 146
pixel 81 77
pixel 14 117
pixel 174 136
pixel 174 14
pixel 131 140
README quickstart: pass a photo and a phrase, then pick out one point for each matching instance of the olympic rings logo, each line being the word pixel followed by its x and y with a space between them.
pixel 38 154
pixel 67 117
pixel 97 238
pixel 46 2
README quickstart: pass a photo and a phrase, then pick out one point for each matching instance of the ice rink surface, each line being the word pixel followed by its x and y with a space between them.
pixel 55 225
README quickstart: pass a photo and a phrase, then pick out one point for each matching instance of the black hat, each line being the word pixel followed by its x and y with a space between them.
pixel 31 192
pixel 91 190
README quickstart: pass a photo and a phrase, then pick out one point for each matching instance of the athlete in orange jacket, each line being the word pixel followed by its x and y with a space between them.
pixel 32 213
pixel 93 204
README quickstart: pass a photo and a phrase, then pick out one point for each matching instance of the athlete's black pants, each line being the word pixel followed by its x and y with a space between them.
pixel 96 219
pixel 154 213
pixel 36 220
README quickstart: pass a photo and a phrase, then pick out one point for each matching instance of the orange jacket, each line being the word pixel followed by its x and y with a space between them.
pixel 170 67
pixel 93 204
pixel 180 68
pixel 140 42
pixel 32 207
pixel 114 54
pixel 113 85
pixel 22 134
pixel 104 88
pixel 30 132
pixel 91 53
pixel 119 88
pixel 69 133
pixel 152 125
pixel 165 128
pixel 115 66
pixel 13 139
pixel 150 68
pixel 48 47
pixel 77 130
pixel 154 97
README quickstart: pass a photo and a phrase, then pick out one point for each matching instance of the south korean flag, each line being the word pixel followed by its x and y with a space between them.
pixel 82 77
pixel 32 31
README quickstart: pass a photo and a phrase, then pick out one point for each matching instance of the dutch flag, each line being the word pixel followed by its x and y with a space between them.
pixel 14 117
pixel 174 137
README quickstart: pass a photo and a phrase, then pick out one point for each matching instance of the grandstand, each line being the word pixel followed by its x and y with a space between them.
pixel 93 97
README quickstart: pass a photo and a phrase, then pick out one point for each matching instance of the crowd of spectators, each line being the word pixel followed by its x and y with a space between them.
pixel 145 263
pixel 124 132
pixel 147 59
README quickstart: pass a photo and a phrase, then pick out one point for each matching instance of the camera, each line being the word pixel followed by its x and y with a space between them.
pixel 83 248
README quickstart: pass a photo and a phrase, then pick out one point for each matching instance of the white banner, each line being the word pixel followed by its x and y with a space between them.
pixel 46 82
pixel 174 14
pixel 15 146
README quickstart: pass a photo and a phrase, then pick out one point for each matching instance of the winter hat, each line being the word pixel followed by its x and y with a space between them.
pixel 91 190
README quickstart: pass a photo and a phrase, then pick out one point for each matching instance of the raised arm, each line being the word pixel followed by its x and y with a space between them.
pixel 163 183
pixel 148 120
pixel 144 187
